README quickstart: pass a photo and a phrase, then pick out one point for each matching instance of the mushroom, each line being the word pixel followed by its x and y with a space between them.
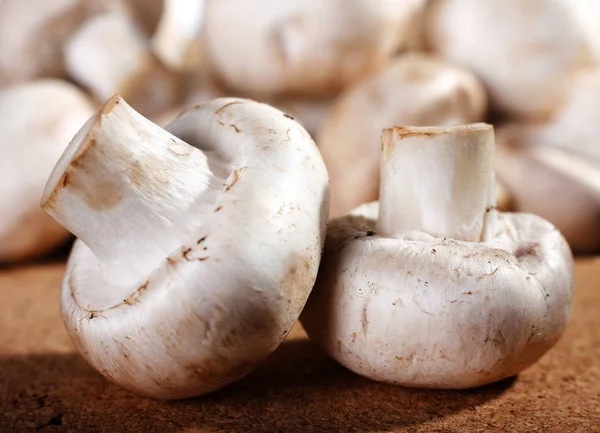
pixel 311 48
pixel 108 55
pixel 33 33
pixel 431 286
pixel 198 245
pixel 37 120
pixel 177 39
pixel 414 89
pixel 523 51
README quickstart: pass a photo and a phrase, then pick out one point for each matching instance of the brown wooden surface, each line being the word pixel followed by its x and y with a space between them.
pixel 44 385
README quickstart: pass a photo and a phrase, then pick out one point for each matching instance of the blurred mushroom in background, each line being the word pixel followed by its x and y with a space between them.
pixel 302 47
pixel 37 120
pixel 523 51
pixel 34 32
pixel 414 89
pixel 553 168
pixel 299 54
pixel 109 54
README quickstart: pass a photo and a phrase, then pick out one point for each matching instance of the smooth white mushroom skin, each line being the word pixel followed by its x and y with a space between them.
pixel 428 311
pixel 250 228
pixel 413 89
pixel 37 120
pixel 177 40
pixel 557 183
pixel 109 54
pixel 314 48
pixel 523 51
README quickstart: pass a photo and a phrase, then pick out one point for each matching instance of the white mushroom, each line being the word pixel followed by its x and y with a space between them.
pixel 522 50
pixel 37 121
pixel 192 263
pixel 177 40
pixel 414 89
pixel 109 55
pixel 432 287
pixel 302 47
pixel 33 33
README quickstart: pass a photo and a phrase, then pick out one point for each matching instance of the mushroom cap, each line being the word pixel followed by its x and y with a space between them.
pixel 556 183
pixel 414 89
pixel 418 311
pixel 306 47
pixel 216 308
pixel 37 120
pixel 522 50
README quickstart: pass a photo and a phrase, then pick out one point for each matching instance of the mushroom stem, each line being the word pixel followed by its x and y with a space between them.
pixel 125 187
pixel 438 180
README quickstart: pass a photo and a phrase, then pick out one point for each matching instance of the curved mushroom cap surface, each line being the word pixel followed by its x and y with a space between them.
pixel 556 183
pixel 414 89
pixel 248 199
pixel 415 310
pixel 522 50
pixel 303 47
pixel 37 121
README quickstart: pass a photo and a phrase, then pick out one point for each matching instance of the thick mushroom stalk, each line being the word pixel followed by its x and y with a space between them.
pixel 432 287
pixel 126 187
pixel 198 246
pixel 437 180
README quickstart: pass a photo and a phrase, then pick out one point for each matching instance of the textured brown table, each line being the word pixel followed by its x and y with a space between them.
pixel 44 385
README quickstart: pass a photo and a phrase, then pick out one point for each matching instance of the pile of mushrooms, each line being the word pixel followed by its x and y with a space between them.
pixel 201 215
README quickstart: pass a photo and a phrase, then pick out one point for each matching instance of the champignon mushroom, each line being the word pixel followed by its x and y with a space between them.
pixel 108 55
pixel 311 48
pixel 192 263
pixel 522 50
pixel 177 40
pixel 432 287
pixel 414 89
pixel 37 120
